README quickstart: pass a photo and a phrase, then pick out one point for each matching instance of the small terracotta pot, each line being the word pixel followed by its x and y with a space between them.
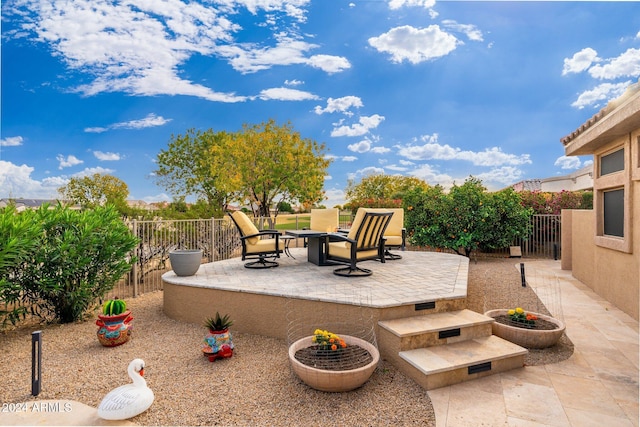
pixel 525 337
pixel 334 381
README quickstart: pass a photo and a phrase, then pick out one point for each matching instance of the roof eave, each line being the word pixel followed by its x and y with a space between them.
pixel 619 122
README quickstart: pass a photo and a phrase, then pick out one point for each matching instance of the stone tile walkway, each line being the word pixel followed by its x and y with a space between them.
pixel 597 386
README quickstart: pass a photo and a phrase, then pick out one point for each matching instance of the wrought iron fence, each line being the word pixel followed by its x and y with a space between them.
pixel 219 240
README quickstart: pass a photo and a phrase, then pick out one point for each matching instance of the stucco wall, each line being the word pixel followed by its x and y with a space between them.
pixel 611 274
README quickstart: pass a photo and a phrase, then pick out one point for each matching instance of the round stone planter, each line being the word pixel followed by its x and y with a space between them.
pixel 524 337
pixel 185 262
pixel 334 381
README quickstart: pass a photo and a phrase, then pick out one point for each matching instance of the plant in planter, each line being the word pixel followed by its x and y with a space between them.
pixel 527 329
pixel 219 343
pixel 328 362
pixel 114 324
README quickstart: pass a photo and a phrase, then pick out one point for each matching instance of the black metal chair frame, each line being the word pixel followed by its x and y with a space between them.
pixel 262 258
pixel 373 226
pixel 391 256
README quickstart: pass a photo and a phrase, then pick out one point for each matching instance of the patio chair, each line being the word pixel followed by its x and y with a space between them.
pixel 254 245
pixel 364 242
pixel 324 220
pixel 396 235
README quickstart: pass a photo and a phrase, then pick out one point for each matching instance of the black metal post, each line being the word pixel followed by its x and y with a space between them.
pixel 36 362
pixel 522 278
pixel 555 251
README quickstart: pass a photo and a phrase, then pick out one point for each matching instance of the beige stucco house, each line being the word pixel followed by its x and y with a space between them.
pixel 602 246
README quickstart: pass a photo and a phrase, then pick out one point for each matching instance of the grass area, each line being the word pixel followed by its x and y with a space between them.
pixel 292 222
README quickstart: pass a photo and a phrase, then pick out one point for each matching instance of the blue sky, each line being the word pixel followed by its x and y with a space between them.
pixel 438 90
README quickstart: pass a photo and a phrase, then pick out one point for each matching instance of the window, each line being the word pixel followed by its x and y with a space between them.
pixel 613 212
pixel 612 194
pixel 611 163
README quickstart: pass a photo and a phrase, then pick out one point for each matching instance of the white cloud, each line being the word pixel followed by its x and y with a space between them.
pixel 293 82
pixel 68 161
pixel 286 94
pixel 489 157
pixel 580 61
pixel 139 47
pixel 370 170
pixel 329 63
pixel 499 178
pixel 93 171
pixel 380 150
pixel 432 176
pixel 625 65
pixel 289 50
pixel 106 156
pixel 16 182
pixel 360 147
pixel 11 141
pixel 471 31
pixel 151 120
pixel 363 126
pixel 397 4
pixel 600 94
pixel 334 197
pixel 341 105
pixel 348 158
pixel 568 162
pixel 415 45
pixel 396 168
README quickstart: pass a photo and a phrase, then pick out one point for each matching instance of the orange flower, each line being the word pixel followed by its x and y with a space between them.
pixel 334 347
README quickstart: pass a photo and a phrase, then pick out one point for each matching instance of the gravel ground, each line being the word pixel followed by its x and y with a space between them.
pixel 254 387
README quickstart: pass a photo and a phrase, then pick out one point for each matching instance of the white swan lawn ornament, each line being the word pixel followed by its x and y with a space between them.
pixel 128 400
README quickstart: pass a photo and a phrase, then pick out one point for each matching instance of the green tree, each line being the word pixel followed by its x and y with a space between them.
pixel 96 190
pixel 195 164
pixel 380 190
pixel 274 162
pixel 256 166
pixel 466 218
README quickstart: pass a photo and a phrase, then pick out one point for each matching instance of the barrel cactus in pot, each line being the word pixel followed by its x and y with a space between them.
pixel 114 324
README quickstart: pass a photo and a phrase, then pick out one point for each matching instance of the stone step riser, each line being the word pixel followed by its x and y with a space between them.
pixel 441 349
pixel 460 374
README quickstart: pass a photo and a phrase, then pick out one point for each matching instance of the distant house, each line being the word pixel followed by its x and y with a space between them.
pixel 580 180
pixel 602 246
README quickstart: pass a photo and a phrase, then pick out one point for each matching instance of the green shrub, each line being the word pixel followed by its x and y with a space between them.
pixel 466 218
pixel 18 240
pixel 78 257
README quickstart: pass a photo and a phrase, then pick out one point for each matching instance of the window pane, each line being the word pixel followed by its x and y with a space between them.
pixel 614 213
pixel 613 162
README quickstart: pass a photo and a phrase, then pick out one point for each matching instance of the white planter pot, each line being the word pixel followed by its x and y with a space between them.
pixel 185 262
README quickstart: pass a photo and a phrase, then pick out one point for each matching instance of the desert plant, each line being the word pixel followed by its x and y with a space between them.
pixel 79 257
pixel 18 239
pixel 218 323
pixel 114 307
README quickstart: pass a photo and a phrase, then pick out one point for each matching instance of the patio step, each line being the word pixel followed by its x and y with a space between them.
pixel 444 365
pixel 446 348
pixel 435 329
